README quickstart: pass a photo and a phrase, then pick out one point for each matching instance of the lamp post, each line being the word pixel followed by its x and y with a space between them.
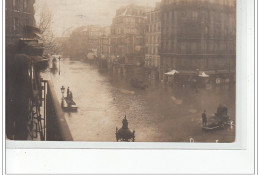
pixel 59 65
pixel 62 91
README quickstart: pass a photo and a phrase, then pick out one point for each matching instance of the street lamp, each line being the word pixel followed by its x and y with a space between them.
pixel 59 65
pixel 62 91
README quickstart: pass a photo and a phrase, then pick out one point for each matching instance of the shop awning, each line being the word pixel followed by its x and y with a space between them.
pixel 203 74
pixel 173 72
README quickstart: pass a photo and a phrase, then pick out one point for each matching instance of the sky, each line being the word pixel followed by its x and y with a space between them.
pixel 69 14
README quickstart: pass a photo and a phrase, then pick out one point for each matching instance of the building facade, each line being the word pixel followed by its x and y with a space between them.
pixel 152 42
pixel 198 37
pixel 92 35
pixel 24 62
pixel 105 47
pixel 127 33
pixel 19 14
pixel 84 42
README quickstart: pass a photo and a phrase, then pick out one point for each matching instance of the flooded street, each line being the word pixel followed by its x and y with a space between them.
pixel 157 114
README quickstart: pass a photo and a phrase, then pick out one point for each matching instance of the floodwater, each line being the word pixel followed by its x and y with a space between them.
pixel 157 114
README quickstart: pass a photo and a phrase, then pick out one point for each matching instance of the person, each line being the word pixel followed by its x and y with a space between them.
pixel 204 118
pixel 71 97
pixel 68 91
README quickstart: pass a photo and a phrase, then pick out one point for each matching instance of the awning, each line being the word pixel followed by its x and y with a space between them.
pixel 203 74
pixel 173 72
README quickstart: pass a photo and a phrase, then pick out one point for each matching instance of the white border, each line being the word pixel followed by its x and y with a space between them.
pixel 160 161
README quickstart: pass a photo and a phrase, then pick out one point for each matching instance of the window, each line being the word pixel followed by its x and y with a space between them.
pixel 195 15
pixel 170 16
pixel 25 5
pixel 27 21
pixel 169 45
pixel 165 18
pixel 182 48
pixel 193 47
pixel 15 25
pixel 16 5
pixel 206 30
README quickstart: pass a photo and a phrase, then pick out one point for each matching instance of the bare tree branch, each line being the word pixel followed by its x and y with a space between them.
pixel 47 36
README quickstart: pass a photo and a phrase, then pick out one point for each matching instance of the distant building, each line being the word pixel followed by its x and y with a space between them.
pixel 127 33
pixel 105 46
pixel 85 41
pixel 24 62
pixel 198 39
pixel 91 38
pixel 19 15
pixel 153 41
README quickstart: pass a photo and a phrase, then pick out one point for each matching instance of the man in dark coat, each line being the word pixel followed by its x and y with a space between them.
pixel 204 118
pixel 68 92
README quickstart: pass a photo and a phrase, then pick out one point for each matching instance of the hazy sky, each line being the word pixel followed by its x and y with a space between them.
pixel 69 14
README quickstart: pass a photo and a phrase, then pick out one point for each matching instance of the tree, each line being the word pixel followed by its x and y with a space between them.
pixel 45 20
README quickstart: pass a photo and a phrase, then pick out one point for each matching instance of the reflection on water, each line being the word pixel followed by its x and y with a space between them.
pixel 158 114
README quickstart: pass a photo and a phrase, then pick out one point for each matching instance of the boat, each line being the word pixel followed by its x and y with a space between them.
pixel 69 101
pixel 213 127
pixel 220 120
pixel 69 105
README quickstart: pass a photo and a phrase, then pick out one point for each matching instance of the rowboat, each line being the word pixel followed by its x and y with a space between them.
pixel 69 105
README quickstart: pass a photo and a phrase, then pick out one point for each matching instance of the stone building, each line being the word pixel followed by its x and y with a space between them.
pixel 84 42
pixel 92 35
pixel 24 62
pixel 198 40
pixel 105 46
pixel 127 33
pixel 19 15
pixel 152 42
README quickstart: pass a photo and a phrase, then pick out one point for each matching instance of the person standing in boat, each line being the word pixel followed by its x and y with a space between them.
pixel 68 92
pixel 71 97
pixel 204 118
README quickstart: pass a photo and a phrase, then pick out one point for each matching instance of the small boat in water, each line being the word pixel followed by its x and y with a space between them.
pixel 218 126
pixel 69 105
pixel 220 120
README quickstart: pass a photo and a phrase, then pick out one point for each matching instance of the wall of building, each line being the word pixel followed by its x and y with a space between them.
pixel 153 39
pixel 127 33
pixel 19 13
pixel 198 35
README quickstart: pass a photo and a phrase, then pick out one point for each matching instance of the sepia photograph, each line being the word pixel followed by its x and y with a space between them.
pixel 121 70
